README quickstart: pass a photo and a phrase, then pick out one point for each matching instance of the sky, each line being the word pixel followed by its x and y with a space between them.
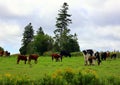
pixel 96 22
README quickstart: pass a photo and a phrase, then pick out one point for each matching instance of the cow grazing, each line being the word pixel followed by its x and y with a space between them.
pixel 103 55
pixel 57 57
pixel 33 57
pixel 65 53
pixel 90 56
pixel 21 57
pixel 97 55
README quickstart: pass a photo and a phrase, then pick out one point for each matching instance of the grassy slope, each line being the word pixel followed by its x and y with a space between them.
pixel 46 66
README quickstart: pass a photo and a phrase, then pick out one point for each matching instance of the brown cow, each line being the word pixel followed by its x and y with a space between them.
pixel 33 57
pixel 56 57
pixel 21 57
pixel 1 53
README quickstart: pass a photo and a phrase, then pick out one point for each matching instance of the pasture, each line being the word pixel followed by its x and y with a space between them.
pixel 45 65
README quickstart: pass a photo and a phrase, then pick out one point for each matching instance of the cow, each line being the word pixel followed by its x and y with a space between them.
pixel 1 52
pixel 97 55
pixel 7 53
pixel 65 53
pixel 21 57
pixel 114 55
pixel 103 55
pixel 90 56
pixel 33 57
pixel 57 57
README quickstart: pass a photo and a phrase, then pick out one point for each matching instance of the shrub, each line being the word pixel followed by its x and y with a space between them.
pixel 67 76
pixel 76 54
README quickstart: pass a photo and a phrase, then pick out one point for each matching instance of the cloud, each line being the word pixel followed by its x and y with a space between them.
pixel 10 36
pixel 96 22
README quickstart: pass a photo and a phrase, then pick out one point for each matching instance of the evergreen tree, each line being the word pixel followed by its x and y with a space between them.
pixel 27 38
pixel 40 31
pixel 63 39
pixel 62 32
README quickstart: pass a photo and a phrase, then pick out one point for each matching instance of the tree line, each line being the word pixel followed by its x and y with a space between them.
pixel 41 42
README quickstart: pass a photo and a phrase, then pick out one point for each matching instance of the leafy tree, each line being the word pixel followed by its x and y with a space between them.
pixel 63 37
pixel 73 45
pixel 42 42
pixel 27 38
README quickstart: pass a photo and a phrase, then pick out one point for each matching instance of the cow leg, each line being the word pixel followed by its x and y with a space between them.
pixel 90 61
pixel 93 61
pixel 29 61
pixel 86 60
pixel 18 61
pixel 52 58
pixel 61 58
pixel 25 61
pixel 56 59
pixel 35 61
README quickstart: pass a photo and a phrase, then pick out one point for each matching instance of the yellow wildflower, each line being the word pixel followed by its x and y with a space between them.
pixel 8 75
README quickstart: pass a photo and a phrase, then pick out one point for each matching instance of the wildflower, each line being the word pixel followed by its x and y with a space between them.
pixel 69 70
pixel 8 75
pixel 54 75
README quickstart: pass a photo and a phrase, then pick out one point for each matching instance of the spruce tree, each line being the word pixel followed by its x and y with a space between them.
pixel 27 38
pixel 62 23
pixel 63 39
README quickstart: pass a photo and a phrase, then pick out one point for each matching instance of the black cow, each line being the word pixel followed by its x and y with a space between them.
pixel 65 53
pixel 97 55
pixel 114 55
pixel 103 55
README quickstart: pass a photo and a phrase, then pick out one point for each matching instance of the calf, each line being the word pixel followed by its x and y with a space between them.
pixel 57 57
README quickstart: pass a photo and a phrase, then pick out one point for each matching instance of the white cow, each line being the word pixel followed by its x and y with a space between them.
pixel 89 57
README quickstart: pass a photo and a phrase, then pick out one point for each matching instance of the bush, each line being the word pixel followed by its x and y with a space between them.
pixel 77 54
pixel 48 53
pixel 61 77
pixel 70 77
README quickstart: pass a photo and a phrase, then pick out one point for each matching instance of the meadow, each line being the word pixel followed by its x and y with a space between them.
pixel 45 65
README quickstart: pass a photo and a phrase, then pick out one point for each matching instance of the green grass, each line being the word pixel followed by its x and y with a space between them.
pixel 46 66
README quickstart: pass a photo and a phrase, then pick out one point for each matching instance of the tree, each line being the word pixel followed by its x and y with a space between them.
pixel 1 49
pixel 42 42
pixel 27 38
pixel 40 31
pixel 62 33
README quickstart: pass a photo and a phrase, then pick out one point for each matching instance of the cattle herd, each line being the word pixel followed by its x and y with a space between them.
pixel 4 53
pixel 27 58
pixel 90 56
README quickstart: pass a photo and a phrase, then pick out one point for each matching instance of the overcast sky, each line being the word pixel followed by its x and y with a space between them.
pixel 96 22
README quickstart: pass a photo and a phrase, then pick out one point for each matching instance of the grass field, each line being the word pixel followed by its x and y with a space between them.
pixel 46 66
